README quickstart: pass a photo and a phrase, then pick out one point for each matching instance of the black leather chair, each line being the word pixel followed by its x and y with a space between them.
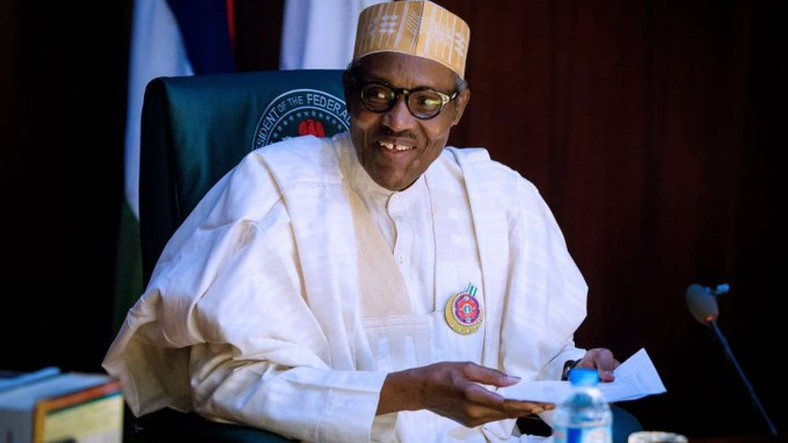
pixel 194 130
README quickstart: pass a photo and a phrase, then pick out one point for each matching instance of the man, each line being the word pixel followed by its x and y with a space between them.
pixel 375 286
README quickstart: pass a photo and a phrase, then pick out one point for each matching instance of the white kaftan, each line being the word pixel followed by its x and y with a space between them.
pixel 280 304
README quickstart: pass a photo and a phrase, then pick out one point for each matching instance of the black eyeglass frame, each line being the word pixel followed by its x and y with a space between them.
pixel 397 92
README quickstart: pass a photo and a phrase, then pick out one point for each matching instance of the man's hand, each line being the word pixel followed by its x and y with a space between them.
pixel 602 360
pixel 454 390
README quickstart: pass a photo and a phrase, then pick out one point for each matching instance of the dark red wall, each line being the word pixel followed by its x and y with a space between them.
pixel 651 129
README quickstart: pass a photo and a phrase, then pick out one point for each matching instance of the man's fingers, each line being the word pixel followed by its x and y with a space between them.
pixel 488 376
pixel 518 408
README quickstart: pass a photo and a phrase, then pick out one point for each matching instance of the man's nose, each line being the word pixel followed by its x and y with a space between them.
pixel 399 117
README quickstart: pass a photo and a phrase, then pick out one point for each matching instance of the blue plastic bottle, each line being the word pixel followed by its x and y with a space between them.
pixel 584 416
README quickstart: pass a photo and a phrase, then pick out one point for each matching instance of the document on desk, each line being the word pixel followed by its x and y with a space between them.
pixel 635 378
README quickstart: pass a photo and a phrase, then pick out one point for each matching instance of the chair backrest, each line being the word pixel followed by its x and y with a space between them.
pixel 195 129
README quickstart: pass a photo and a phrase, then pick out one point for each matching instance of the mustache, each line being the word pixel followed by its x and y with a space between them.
pixel 388 132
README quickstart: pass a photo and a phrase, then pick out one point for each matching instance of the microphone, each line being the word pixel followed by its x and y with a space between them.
pixel 702 304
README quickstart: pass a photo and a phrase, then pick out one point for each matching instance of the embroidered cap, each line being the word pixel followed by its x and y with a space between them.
pixel 419 28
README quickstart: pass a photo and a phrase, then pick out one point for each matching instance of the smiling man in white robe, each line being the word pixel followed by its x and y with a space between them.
pixel 373 286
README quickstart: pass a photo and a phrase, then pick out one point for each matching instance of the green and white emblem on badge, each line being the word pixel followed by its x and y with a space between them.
pixel 463 311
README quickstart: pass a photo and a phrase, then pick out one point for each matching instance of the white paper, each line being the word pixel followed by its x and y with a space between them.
pixel 635 378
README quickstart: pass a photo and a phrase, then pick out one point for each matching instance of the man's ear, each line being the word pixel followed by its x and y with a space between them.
pixel 349 85
pixel 460 103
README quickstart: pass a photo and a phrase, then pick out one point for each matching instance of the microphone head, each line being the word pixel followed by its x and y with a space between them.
pixel 702 304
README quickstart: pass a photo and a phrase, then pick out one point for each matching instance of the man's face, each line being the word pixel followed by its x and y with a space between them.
pixel 395 147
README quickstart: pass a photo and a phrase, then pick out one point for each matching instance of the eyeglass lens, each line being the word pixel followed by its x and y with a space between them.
pixel 422 103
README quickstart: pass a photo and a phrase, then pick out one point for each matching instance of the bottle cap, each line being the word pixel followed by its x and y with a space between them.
pixel 583 377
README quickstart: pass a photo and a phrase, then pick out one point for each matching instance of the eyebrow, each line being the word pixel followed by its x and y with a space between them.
pixel 416 88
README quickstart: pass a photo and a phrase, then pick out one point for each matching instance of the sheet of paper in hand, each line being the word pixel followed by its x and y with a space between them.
pixel 635 378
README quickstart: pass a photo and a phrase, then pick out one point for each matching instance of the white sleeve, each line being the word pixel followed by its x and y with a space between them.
pixel 264 358
pixel 319 405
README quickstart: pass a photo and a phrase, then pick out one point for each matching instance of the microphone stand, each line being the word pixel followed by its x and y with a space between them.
pixel 729 353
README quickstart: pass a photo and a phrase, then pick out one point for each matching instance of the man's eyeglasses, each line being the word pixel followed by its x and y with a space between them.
pixel 423 103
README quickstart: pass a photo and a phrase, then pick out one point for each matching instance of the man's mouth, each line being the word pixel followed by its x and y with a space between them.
pixel 395 147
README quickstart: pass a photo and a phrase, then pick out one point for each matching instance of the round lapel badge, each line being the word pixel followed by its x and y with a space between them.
pixel 463 311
